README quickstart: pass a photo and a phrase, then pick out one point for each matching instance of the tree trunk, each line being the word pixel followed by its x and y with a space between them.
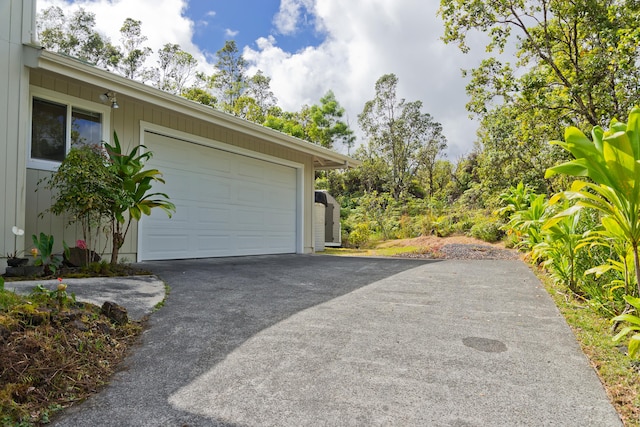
pixel 117 240
pixel 636 262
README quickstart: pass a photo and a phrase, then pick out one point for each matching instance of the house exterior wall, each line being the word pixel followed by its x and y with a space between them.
pixel 126 122
pixel 16 26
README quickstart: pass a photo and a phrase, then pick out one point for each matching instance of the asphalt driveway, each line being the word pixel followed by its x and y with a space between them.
pixel 311 340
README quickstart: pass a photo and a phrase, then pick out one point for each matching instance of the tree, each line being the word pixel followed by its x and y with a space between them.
pixel 75 36
pixel 326 126
pixel 199 91
pixel 133 53
pixel 581 55
pixel 175 68
pixel 574 68
pixel 85 190
pixel 230 79
pixel 514 151
pixel 259 88
pixel 400 133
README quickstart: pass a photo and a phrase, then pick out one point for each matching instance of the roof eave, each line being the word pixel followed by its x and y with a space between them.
pixel 36 57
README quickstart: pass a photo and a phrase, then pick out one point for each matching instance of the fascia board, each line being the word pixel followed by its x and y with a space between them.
pixel 73 68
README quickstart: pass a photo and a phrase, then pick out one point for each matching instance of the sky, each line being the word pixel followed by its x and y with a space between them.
pixel 309 47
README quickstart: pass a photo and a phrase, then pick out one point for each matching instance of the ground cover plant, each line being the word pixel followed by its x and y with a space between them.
pixel 55 352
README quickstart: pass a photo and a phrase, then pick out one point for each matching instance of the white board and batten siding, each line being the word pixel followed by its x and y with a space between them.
pixel 17 26
pixel 228 202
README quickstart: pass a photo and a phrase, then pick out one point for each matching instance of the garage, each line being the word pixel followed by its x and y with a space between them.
pixel 228 203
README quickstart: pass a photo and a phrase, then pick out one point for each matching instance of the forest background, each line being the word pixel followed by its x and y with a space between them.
pixel 575 65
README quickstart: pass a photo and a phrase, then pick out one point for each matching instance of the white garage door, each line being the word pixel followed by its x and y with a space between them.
pixel 226 204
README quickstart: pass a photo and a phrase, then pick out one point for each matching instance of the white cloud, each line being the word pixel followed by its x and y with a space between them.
pixel 230 33
pixel 290 15
pixel 211 13
pixel 364 40
pixel 162 21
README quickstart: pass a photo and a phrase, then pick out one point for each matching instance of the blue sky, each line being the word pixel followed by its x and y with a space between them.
pixel 308 47
pixel 244 21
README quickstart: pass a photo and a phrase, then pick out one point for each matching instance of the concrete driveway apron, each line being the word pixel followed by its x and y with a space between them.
pixel 307 340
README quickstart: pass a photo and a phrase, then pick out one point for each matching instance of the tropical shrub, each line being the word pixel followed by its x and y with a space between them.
pixel 489 230
pixel 559 247
pixel 633 325
pixel 611 162
pixel 85 190
pixel 136 182
pixel 93 188
pixel 359 235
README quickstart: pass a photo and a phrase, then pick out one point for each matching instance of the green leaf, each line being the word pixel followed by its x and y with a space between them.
pixel 629 318
pixel 634 345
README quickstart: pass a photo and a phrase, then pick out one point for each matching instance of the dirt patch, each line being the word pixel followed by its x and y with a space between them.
pixel 453 247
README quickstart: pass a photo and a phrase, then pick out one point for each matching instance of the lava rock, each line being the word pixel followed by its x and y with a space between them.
pixel 116 313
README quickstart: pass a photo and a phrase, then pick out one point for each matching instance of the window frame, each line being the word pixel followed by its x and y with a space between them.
pixel 70 102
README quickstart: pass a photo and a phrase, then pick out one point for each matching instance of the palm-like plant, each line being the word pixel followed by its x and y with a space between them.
pixel 611 237
pixel 558 248
pixel 611 162
pixel 136 183
pixel 633 325
pixel 527 221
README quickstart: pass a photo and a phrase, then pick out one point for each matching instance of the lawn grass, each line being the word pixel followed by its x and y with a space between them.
pixel 618 372
pixel 376 251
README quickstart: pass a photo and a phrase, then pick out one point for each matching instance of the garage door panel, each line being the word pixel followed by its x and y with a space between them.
pixel 213 188
pixel 216 165
pixel 213 216
pixel 169 243
pixel 280 219
pixel 212 242
pixel 252 169
pixel 250 195
pixel 226 204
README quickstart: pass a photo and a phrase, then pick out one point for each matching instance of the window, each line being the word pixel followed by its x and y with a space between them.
pixel 59 122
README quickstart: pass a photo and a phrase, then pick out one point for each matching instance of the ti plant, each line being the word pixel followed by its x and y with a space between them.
pixel 44 254
pixel 633 322
pixel 612 163
pixel 136 183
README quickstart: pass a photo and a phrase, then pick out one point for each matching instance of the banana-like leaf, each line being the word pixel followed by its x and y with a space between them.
pixel 623 332
pixel 635 302
pixel 629 318
pixel 634 345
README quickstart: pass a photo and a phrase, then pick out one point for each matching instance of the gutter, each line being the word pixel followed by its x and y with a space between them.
pixel 38 58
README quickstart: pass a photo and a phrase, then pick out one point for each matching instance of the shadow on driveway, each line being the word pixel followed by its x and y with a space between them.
pixel 215 305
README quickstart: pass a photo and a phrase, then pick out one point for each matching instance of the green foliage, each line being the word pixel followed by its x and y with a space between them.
pixel 558 249
pixel 611 162
pixel 175 68
pixel 575 63
pixel 75 36
pixel 45 255
pixel 133 53
pixel 230 79
pixel 489 230
pixel 399 133
pixel 85 190
pixel 359 235
pixel 528 212
pixel 633 325
pixel 58 295
pixel 579 57
pixel 136 183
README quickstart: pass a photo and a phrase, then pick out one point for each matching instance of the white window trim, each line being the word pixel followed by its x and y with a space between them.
pixel 69 101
